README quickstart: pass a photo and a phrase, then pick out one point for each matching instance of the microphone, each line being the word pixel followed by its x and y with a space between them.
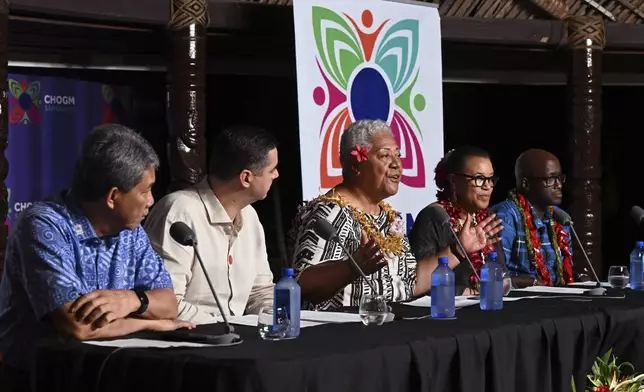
pixel 328 232
pixel 564 219
pixel 637 213
pixel 184 235
pixel 441 216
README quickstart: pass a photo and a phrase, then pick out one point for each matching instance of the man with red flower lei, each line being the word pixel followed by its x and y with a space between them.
pixel 537 249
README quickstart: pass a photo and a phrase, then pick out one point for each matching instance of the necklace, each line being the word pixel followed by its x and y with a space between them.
pixel 390 243
pixel 558 238
pixel 477 258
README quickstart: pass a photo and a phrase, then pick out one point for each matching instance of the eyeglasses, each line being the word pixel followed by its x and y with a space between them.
pixel 479 180
pixel 550 181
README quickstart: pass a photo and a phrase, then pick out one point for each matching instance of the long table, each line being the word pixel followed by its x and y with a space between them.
pixel 531 345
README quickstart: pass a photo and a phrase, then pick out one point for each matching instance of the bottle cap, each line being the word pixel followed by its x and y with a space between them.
pixel 492 255
pixel 287 272
pixel 443 260
pixel 639 243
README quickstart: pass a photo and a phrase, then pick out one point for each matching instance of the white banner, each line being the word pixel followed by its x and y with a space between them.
pixel 373 59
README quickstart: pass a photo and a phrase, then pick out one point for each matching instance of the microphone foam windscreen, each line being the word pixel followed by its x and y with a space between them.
pixel 183 234
pixel 637 213
pixel 324 229
pixel 440 214
pixel 562 217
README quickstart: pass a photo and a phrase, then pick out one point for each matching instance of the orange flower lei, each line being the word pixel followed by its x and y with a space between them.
pixel 389 244
pixel 558 237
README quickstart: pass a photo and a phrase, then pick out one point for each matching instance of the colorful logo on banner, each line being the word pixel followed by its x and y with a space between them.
pixel 24 100
pixel 370 72
pixel 113 109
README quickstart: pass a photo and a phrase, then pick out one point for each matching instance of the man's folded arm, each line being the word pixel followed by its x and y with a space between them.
pixel 67 325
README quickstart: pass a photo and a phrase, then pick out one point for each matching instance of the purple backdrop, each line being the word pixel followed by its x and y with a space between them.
pixel 48 119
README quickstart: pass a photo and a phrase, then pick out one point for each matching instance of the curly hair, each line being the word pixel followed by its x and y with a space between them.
pixel 359 133
pixel 453 163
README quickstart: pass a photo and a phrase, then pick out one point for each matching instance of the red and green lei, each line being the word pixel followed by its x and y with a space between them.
pixel 558 237
pixel 477 258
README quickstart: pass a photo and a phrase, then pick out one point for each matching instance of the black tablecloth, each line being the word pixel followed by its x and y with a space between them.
pixel 530 345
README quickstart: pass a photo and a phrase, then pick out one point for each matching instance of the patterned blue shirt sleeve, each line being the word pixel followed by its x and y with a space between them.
pixel 508 233
pixel 48 263
pixel 151 273
pixel 511 239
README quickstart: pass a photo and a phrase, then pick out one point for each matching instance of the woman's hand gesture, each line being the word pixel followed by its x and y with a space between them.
pixel 475 238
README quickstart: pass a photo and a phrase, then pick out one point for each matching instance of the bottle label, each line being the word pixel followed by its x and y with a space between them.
pixel 283 300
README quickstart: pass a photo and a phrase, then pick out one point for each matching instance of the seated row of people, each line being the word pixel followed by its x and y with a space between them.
pixel 80 265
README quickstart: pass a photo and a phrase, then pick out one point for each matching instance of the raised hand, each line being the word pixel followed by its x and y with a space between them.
pixel 475 238
pixel 369 256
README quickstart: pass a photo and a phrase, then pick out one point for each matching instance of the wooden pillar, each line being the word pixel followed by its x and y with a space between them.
pixel 186 101
pixel 586 40
pixel 4 127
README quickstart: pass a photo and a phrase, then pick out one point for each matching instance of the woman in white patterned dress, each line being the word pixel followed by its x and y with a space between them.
pixel 368 227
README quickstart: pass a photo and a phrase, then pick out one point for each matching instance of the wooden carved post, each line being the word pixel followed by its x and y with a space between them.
pixel 4 128
pixel 586 42
pixel 186 109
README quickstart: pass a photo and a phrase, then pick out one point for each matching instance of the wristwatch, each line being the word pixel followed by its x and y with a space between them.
pixel 140 293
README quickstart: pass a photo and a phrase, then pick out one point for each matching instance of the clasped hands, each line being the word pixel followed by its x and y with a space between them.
pixel 474 238
pixel 102 307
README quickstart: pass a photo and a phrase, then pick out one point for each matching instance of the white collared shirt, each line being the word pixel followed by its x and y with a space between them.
pixel 234 253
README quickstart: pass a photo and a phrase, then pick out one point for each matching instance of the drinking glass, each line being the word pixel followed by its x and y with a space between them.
pixel 618 276
pixel 273 324
pixel 507 280
pixel 373 309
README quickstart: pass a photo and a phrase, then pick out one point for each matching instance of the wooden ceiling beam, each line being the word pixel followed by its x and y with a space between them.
pixel 521 32
pixel 251 19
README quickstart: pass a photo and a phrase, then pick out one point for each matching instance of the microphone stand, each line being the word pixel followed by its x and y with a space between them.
pixel 355 264
pixel 230 331
pixel 390 315
pixel 228 339
pixel 597 291
pixel 462 248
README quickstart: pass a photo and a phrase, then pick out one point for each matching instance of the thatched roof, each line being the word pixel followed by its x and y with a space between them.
pixel 623 11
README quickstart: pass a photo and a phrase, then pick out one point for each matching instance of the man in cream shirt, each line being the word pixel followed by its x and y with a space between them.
pixel 230 236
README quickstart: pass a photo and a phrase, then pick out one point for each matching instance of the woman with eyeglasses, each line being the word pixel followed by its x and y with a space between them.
pixel 465 179
pixel 538 250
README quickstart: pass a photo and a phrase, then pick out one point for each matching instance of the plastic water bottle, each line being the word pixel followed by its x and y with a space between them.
pixel 443 293
pixel 491 284
pixel 637 266
pixel 287 296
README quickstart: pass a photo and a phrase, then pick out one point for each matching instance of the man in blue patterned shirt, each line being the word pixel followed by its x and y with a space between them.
pixel 80 265
pixel 528 210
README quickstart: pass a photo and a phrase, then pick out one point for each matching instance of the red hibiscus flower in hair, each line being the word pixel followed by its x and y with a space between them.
pixel 360 153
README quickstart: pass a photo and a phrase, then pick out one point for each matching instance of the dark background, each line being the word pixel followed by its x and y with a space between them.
pixel 503 119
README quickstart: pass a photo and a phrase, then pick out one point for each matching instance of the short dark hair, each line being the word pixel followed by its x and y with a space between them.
pixel 238 148
pixel 453 163
pixel 112 155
